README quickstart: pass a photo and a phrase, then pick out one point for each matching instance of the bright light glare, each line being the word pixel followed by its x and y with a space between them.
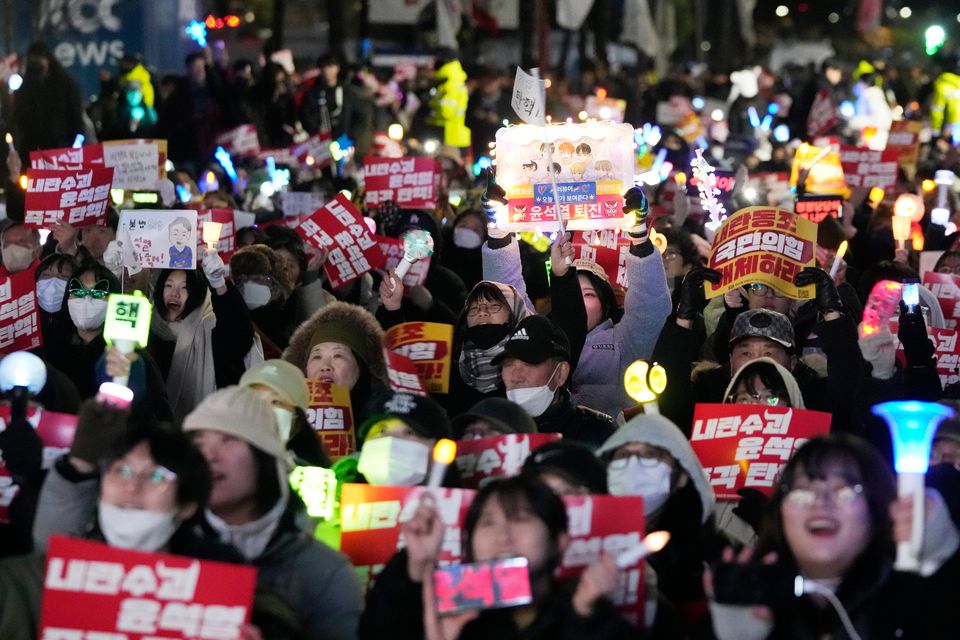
pixel 906 12
pixel 782 11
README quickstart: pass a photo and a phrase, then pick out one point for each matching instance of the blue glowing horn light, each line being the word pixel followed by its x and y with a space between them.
pixel 912 427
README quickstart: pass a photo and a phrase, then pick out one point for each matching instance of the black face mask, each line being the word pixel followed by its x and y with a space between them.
pixel 485 336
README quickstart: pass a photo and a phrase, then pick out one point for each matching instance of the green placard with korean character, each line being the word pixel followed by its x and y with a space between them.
pixel 128 318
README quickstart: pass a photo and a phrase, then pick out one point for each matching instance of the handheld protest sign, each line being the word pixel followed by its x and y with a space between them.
pixel 496 584
pixel 127 324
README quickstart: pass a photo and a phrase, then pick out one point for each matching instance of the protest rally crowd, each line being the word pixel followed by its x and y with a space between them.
pixel 308 353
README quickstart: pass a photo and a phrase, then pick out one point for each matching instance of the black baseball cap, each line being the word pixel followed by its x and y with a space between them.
pixel 535 340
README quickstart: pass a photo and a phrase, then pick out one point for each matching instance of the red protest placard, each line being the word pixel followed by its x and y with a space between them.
pixel 428 345
pixel 240 141
pixel 92 590
pixel 19 318
pixel 402 374
pixel 497 456
pixel 947 349
pixel 67 158
pixel 331 416
pixel 746 445
pixel 816 208
pixel 339 228
pixel 612 525
pixel 55 430
pixel 79 197
pixel 607 248
pixel 411 182
pixel 315 151
pixel 227 244
pixel 370 518
pixel 946 287
pixel 392 249
pixel 762 244
pixel 824 115
pixel 904 138
pixel 863 168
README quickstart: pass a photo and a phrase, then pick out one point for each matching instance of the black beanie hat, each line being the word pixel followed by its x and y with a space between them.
pixel 572 461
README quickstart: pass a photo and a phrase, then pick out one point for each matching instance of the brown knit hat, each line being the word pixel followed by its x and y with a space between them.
pixel 261 260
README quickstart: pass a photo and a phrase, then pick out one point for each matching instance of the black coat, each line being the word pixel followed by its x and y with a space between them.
pixel 577 423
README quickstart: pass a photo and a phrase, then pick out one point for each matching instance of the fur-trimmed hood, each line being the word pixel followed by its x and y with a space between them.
pixel 356 319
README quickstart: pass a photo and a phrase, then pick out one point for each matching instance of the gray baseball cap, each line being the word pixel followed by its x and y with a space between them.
pixel 763 323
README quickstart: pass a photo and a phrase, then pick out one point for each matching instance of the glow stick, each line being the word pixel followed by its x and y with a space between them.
pixel 443 454
pixel 651 544
pixel 837 259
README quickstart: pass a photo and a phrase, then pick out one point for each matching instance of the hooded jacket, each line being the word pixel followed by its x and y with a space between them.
pixel 372 390
pixel 793 389
pixel 945 108
pixel 449 105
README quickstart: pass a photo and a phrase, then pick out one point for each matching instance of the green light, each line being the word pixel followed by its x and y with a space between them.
pixel 128 318
pixel 934 38
pixel 116 195
pixel 317 487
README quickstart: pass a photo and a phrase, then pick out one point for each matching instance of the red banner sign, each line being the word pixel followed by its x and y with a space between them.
pixel 946 287
pixel 94 591
pixel 411 182
pixel 746 445
pixel 227 244
pixel 816 208
pixel 331 416
pixel 497 456
pixel 863 168
pixel 392 249
pixel 761 244
pixel 339 228
pixel 608 248
pixel 947 352
pixel 428 345
pixel 19 318
pixel 402 374
pixel 69 158
pixel 78 197
pixel 823 115
pixel 241 141
pixel 55 430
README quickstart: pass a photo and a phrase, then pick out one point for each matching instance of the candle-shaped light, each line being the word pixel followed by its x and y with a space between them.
pixel 837 259
pixel 9 140
pixel 211 234
pixel 644 383
pixel 443 454
pixel 653 543
pixel 876 196
pixel 912 426
pixel 906 210
pixel 944 180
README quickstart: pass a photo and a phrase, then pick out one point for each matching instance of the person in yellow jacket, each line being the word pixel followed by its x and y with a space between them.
pixel 132 71
pixel 448 104
pixel 945 108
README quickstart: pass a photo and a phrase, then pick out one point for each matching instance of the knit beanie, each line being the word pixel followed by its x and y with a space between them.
pixel 339 332
pixel 282 378
pixel 241 412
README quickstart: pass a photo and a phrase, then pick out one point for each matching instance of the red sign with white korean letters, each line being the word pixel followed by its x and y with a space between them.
pixel 428 345
pixel 78 197
pixel 92 590
pixel 946 347
pixel 863 168
pixel 55 430
pixel 67 157
pixel 227 244
pixel 331 416
pixel 339 228
pixel 371 517
pixel 402 374
pixel 19 318
pixel 946 288
pixel 240 141
pixel 497 456
pixel 746 445
pixel 411 182
pixel 607 248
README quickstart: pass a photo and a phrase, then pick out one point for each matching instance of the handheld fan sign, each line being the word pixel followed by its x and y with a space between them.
pixel 707 185
pixel 127 324
pixel 417 245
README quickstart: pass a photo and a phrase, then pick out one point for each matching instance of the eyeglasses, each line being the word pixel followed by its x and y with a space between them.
pixel 488 308
pixel 156 477
pixel 841 496
pixel 753 398
pixel 672 255
pixel 100 290
pixel 763 290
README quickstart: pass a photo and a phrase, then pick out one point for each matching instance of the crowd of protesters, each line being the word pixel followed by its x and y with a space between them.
pixel 198 464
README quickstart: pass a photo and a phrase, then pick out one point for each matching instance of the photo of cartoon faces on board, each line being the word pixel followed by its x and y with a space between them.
pixel 581 160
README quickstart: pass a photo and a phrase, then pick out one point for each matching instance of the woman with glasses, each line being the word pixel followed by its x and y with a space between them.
pixel 79 350
pixel 834 519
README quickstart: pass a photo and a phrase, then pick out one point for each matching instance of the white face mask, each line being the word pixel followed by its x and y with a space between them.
pixel 636 477
pixel 284 422
pixel 136 528
pixel 16 258
pixel 87 313
pixel 534 400
pixel 50 294
pixel 394 462
pixel 466 238
pixel 256 295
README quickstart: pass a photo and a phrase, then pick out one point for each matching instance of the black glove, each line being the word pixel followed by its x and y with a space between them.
pixel 692 297
pixel 22 450
pixel 752 507
pixel 491 194
pixel 827 297
pixel 917 346
pixel 634 200
pixel 99 426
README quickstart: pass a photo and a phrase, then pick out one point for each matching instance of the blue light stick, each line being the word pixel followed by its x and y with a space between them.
pixel 754 117
pixel 197 32
pixel 226 162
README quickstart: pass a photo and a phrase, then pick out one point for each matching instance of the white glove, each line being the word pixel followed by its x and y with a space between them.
pixel 214 269
pixel 879 349
pixel 495 232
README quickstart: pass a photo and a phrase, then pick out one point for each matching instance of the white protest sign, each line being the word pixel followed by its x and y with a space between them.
pixel 135 165
pixel 301 203
pixel 158 239
pixel 529 98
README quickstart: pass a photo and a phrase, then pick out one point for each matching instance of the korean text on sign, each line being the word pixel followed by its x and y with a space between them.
pixel 748 445
pixel 331 416
pixel 158 239
pixel 79 197
pixel 339 229
pixel 402 374
pixel 497 456
pixel 94 590
pixel 19 318
pixel 946 287
pixel 607 248
pixel 863 168
pixel 411 182
pixel 762 244
pixel 947 350
pixel 428 345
